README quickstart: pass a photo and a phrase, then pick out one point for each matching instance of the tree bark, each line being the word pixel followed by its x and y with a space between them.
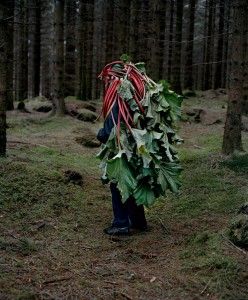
pixel 209 45
pixel 190 48
pixel 171 34
pixel 232 133
pixel 46 49
pixel 133 32
pixel 70 46
pixel 245 84
pixel 3 65
pixel 88 47
pixel 58 98
pixel 176 79
pixel 97 45
pixel 219 66
pixel 31 49
pixel 10 66
pixel 153 40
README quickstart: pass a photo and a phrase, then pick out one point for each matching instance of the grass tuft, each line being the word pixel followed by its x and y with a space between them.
pixel 238 164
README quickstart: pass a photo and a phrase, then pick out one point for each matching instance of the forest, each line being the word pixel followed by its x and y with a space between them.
pixel 191 54
pixel 58 48
pixel 185 42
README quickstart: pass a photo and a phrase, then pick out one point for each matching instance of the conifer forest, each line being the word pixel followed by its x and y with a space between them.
pixel 172 77
pixel 185 42
pixel 58 48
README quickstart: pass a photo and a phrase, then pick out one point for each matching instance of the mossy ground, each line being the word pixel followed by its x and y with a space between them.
pixel 52 245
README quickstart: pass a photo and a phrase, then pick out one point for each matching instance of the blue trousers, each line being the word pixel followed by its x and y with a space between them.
pixel 129 213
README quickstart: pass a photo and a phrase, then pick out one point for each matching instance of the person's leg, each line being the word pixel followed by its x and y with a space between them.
pixel 120 224
pixel 136 215
pixel 120 209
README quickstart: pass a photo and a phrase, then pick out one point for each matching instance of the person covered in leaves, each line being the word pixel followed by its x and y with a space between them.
pixel 127 214
pixel 138 156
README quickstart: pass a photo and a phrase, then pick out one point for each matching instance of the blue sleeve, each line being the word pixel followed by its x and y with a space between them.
pixel 103 133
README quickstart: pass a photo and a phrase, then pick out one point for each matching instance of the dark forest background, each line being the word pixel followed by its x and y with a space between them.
pixel 57 48
pixel 185 42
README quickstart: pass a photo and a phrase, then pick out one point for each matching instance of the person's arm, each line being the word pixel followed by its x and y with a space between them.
pixel 103 133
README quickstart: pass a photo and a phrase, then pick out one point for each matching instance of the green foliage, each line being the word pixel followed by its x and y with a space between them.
pixel 125 58
pixel 144 153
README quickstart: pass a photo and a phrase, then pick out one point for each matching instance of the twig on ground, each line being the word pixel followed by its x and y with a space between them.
pixel 231 243
pixel 198 147
pixel 162 223
pixel 206 286
pixel 111 282
pixel 124 295
pixel 56 280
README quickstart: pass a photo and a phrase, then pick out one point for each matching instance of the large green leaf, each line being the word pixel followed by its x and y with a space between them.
pixel 152 137
pixel 139 136
pixel 144 194
pixel 156 89
pixel 173 99
pixel 145 155
pixel 166 146
pixel 104 153
pixel 125 144
pixel 119 171
pixel 169 176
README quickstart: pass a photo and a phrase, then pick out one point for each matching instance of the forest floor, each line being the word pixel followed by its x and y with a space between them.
pixel 53 209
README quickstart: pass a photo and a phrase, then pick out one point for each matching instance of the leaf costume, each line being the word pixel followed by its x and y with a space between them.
pixel 138 152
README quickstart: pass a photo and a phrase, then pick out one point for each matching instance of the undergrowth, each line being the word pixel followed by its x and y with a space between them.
pixel 51 226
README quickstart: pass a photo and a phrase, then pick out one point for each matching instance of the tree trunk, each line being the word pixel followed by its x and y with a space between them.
pixel 58 96
pixel 171 34
pixel 84 50
pixel 3 65
pixel 232 133
pixel 219 66
pixel 79 50
pixel 10 58
pixel 190 47
pixel 227 38
pixel 209 46
pixel 133 32
pixel 88 46
pixel 121 32
pixel 31 48
pixel 97 44
pixel 176 79
pixel 18 50
pixel 70 45
pixel 161 42
pixel 46 49
pixel 153 40
pixel 245 84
